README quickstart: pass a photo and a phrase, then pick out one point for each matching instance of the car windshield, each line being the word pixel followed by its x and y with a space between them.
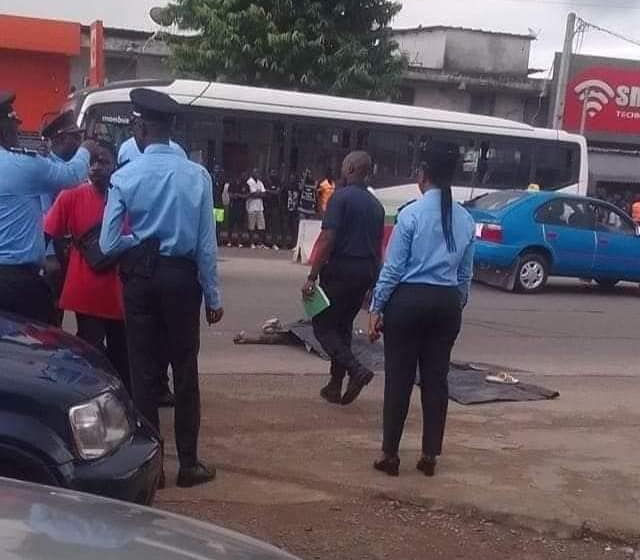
pixel 496 200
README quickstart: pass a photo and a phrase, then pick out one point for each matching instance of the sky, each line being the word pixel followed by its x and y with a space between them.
pixel 545 18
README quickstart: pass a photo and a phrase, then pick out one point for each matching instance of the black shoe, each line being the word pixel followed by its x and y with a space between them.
pixel 193 476
pixel 332 392
pixel 427 464
pixel 388 465
pixel 357 382
pixel 167 400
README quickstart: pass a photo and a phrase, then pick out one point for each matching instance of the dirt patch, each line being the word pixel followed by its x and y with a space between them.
pixel 372 529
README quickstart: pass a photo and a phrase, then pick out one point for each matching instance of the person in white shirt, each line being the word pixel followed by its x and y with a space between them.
pixel 255 209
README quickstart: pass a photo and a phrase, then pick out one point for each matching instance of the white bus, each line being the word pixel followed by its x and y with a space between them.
pixel 241 128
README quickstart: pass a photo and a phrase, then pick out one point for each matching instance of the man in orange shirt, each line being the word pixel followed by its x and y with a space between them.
pixel 95 297
pixel 326 188
pixel 635 209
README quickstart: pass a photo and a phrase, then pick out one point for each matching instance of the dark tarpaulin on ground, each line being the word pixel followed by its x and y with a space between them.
pixel 467 384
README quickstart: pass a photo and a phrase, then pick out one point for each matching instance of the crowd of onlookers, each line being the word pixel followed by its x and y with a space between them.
pixel 621 198
pixel 264 210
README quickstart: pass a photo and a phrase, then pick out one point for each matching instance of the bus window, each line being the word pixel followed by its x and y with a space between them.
pixel 557 165
pixel 247 144
pixel 469 155
pixel 393 154
pixel 320 147
pixel 504 164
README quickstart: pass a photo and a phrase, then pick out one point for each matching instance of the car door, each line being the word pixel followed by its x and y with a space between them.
pixel 618 245
pixel 568 229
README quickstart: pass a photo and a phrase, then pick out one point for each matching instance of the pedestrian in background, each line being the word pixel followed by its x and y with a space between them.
pixel 347 261
pixel 272 209
pixel 95 296
pixel 255 209
pixel 635 209
pixel 307 205
pixel 326 188
pixel 422 289
pixel 25 176
pixel 169 262
pixel 292 216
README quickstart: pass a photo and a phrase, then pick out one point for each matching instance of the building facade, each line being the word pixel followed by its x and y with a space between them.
pixel 45 60
pixel 472 71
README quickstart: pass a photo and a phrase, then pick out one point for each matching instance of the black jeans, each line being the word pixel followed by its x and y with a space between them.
pixel 24 292
pixel 421 324
pixel 110 337
pixel 346 281
pixel 165 309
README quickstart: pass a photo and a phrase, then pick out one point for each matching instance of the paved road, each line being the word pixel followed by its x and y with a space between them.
pixel 572 329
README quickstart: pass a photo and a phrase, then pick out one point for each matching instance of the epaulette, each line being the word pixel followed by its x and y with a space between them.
pixel 24 152
pixel 403 207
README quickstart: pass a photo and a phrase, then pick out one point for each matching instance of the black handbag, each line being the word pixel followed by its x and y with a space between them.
pixel 89 247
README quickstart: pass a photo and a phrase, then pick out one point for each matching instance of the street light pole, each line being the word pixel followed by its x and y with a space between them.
pixel 585 112
pixel 563 73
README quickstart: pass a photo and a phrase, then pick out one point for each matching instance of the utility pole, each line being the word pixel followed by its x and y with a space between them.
pixel 563 74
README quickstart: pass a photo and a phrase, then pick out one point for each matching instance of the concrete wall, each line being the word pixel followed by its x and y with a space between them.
pixel 121 66
pixel 445 98
pixel 510 107
pixel 482 52
pixel 425 49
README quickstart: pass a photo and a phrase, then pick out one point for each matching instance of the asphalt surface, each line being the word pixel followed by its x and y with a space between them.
pixel 571 329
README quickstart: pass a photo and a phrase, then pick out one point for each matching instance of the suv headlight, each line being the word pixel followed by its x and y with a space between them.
pixel 99 426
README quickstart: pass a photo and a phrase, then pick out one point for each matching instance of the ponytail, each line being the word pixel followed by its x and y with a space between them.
pixel 440 165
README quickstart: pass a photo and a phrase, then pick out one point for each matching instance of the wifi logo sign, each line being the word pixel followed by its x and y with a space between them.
pixel 595 94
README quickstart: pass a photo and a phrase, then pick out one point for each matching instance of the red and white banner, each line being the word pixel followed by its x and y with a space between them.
pixel 607 98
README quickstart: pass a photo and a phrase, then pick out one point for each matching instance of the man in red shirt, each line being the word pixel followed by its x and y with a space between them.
pixel 95 297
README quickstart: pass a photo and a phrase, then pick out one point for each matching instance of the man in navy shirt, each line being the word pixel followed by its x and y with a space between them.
pixel 347 262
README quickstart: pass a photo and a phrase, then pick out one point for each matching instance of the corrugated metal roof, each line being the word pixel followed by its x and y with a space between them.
pixel 431 28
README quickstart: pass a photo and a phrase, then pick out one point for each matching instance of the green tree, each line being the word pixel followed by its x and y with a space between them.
pixel 339 47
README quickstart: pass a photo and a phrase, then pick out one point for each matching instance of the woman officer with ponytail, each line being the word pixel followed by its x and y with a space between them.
pixel 419 297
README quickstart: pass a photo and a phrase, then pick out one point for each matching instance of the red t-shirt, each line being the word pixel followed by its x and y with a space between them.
pixel 74 213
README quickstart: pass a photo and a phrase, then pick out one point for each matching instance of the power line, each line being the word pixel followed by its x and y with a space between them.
pixel 585 25
pixel 576 5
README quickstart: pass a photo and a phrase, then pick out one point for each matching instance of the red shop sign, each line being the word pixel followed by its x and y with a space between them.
pixel 609 98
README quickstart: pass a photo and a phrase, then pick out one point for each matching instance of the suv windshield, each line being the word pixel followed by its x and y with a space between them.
pixel 496 200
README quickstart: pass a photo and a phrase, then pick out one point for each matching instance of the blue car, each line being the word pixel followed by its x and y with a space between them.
pixel 525 237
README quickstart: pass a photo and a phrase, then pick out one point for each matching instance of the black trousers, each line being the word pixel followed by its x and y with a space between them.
pixel 346 282
pixel 110 337
pixel 24 292
pixel 421 324
pixel 165 309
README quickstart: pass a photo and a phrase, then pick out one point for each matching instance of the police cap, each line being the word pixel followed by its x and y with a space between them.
pixel 153 105
pixel 64 123
pixel 7 111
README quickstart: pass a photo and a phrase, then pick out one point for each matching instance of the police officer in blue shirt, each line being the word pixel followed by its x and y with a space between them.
pixel 168 265
pixel 64 138
pixel 24 177
pixel 421 291
pixel 129 151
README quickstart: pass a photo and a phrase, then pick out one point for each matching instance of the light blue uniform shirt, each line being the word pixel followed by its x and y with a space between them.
pixel 23 180
pixel 418 254
pixel 169 198
pixel 129 151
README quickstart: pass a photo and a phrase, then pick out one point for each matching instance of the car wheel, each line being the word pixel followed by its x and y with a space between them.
pixel 532 273
pixel 607 284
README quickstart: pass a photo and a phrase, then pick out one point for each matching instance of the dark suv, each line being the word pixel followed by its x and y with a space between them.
pixel 66 420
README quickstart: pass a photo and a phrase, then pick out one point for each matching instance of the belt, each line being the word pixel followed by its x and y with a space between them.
pixel 20 269
pixel 184 263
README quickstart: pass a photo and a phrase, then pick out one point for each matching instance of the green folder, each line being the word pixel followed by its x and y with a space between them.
pixel 316 304
pixel 218 214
